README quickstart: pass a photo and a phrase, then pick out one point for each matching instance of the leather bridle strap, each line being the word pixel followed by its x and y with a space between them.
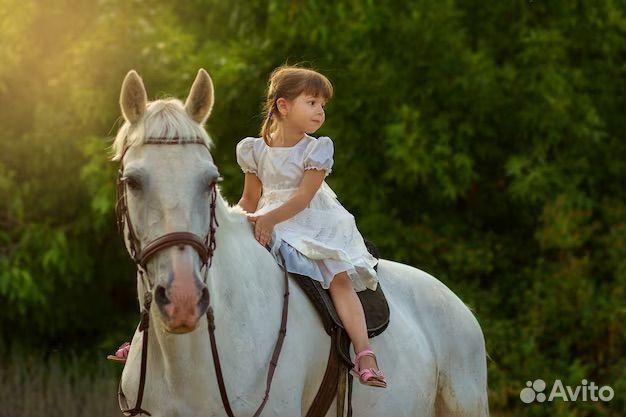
pixel 173 239
pixel 144 324
pixel 273 362
pixel 205 248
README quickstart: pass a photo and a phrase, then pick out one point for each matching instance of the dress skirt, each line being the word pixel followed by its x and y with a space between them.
pixel 320 241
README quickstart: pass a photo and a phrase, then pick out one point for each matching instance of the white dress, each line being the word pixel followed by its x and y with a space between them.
pixel 322 239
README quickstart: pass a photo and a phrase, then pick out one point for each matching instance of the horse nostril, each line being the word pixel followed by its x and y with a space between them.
pixel 203 303
pixel 160 296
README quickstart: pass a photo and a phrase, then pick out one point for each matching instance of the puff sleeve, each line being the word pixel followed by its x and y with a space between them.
pixel 245 155
pixel 319 155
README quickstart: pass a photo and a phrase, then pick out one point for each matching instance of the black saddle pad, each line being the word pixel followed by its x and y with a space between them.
pixel 374 305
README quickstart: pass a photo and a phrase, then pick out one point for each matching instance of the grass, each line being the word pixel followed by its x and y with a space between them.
pixel 39 385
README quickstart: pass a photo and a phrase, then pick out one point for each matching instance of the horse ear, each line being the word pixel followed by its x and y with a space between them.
pixel 199 103
pixel 133 98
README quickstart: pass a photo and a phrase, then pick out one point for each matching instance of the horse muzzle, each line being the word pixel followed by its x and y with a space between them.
pixel 179 308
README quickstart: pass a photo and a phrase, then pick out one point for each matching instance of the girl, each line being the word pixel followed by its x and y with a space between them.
pixel 293 211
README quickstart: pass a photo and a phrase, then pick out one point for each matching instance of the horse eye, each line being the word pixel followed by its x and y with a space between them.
pixel 132 183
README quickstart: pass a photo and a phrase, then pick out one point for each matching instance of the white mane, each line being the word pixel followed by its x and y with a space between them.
pixel 233 216
pixel 163 118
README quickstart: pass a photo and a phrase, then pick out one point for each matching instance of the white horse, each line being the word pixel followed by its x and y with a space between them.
pixel 432 352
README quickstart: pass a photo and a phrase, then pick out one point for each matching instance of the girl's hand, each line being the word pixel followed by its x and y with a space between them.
pixel 263 226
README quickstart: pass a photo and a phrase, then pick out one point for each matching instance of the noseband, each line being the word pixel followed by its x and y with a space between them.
pixel 205 248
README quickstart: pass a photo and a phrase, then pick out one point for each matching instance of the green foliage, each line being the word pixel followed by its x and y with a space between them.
pixel 487 144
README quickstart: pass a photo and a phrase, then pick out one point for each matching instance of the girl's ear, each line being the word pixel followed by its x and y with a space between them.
pixel 283 106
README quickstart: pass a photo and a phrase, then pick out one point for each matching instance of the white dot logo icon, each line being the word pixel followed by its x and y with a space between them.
pixel 533 391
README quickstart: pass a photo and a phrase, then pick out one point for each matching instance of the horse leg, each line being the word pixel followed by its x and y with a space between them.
pixel 461 402
pixel 462 384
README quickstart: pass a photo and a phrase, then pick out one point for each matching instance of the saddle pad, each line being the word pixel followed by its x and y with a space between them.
pixel 374 305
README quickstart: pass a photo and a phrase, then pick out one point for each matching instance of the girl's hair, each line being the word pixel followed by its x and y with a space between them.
pixel 288 82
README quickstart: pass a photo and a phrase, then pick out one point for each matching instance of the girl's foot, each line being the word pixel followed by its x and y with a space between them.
pixel 121 354
pixel 368 376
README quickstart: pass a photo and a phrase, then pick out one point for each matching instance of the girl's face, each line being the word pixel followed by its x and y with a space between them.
pixel 305 112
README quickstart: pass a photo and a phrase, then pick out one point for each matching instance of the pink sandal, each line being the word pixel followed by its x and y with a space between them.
pixel 368 376
pixel 121 354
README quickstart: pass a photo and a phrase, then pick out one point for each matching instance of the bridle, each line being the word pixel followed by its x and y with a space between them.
pixel 205 247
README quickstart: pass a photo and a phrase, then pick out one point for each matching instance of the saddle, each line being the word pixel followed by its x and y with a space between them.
pixel 339 362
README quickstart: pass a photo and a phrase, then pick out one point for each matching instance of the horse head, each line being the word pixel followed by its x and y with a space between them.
pixel 166 198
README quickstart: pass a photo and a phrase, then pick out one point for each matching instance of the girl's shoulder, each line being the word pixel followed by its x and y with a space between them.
pixel 319 141
pixel 250 143
pixel 322 143
pixel 309 142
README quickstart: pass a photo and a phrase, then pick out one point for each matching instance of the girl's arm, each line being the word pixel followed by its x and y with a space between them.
pixel 311 182
pixel 252 188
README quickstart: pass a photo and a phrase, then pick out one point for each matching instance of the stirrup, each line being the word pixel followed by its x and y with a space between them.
pixel 368 376
pixel 121 354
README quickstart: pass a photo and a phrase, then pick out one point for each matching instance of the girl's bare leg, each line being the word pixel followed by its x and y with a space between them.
pixel 350 310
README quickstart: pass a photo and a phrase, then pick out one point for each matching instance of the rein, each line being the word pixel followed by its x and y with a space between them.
pixel 205 248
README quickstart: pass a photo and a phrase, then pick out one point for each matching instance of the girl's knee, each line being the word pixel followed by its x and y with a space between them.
pixel 341 280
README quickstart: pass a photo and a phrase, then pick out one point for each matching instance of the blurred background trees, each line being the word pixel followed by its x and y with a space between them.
pixel 488 139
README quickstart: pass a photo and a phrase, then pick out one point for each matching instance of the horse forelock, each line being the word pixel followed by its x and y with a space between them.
pixel 163 118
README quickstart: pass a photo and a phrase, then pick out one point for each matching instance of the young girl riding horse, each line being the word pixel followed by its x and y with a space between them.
pixel 295 212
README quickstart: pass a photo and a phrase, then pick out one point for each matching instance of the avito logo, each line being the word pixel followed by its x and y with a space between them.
pixel 584 392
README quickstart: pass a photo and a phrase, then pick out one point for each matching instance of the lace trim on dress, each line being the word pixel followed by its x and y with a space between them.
pixel 321 168
pixel 319 154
